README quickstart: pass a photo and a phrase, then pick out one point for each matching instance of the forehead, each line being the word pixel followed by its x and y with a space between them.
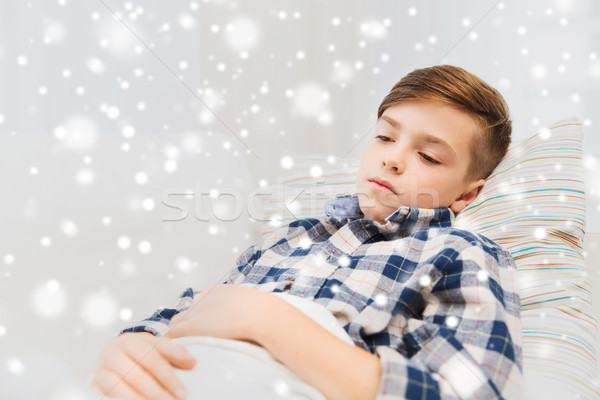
pixel 433 122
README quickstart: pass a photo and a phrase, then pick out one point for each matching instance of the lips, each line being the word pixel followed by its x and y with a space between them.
pixel 384 183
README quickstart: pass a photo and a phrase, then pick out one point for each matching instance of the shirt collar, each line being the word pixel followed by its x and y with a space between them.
pixel 405 218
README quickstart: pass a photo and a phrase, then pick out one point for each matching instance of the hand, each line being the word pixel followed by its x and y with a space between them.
pixel 220 310
pixel 141 366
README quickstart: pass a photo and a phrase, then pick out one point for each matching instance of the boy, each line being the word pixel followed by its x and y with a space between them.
pixel 433 311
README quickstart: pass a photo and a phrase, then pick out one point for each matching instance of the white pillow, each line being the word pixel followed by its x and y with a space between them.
pixel 533 205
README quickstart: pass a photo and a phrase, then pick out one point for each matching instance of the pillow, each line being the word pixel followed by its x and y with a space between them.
pixel 533 205
pixel 303 191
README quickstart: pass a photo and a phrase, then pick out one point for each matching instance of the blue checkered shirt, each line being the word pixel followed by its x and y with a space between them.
pixel 438 305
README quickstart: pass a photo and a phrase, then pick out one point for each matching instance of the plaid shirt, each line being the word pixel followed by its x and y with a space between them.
pixel 439 306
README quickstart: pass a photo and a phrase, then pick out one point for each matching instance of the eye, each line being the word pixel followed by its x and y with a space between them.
pixel 429 159
pixel 381 137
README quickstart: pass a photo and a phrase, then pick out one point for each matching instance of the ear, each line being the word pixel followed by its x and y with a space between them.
pixel 468 196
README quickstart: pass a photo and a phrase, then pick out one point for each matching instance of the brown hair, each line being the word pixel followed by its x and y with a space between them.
pixel 455 87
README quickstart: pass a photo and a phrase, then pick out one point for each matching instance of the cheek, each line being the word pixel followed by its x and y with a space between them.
pixel 361 173
pixel 437 182
pixel 445 186
pixel 365 165
pixel 428 177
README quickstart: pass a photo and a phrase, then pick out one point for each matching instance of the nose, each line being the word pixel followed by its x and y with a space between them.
pixel 395 160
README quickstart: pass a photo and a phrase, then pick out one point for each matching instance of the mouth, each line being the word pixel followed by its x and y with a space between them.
pixel 382 186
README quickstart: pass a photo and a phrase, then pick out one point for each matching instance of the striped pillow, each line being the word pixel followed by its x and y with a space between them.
pixel 533 205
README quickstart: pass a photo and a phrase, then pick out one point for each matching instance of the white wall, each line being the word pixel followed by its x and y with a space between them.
pixel 259 81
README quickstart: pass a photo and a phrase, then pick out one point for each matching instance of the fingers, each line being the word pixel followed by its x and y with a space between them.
pixel 176 354
pixel 142 366
pixel 108 383
pixel 131 373
pixel 156 379
pixel 159 364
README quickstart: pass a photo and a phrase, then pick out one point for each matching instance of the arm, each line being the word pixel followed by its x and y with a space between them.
pixel 158 323
pixel 143 365
pixel 337 369
pixel 132 366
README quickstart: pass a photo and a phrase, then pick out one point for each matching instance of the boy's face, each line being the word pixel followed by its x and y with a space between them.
pixel 424 159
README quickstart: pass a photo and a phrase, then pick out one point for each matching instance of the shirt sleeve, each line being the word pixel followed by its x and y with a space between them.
pixel 468 343
pixel 158 323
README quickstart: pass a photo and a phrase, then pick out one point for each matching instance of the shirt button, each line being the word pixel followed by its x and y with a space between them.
pixel 290 279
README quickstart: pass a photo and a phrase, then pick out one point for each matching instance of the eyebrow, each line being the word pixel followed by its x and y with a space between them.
pixel 424 135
